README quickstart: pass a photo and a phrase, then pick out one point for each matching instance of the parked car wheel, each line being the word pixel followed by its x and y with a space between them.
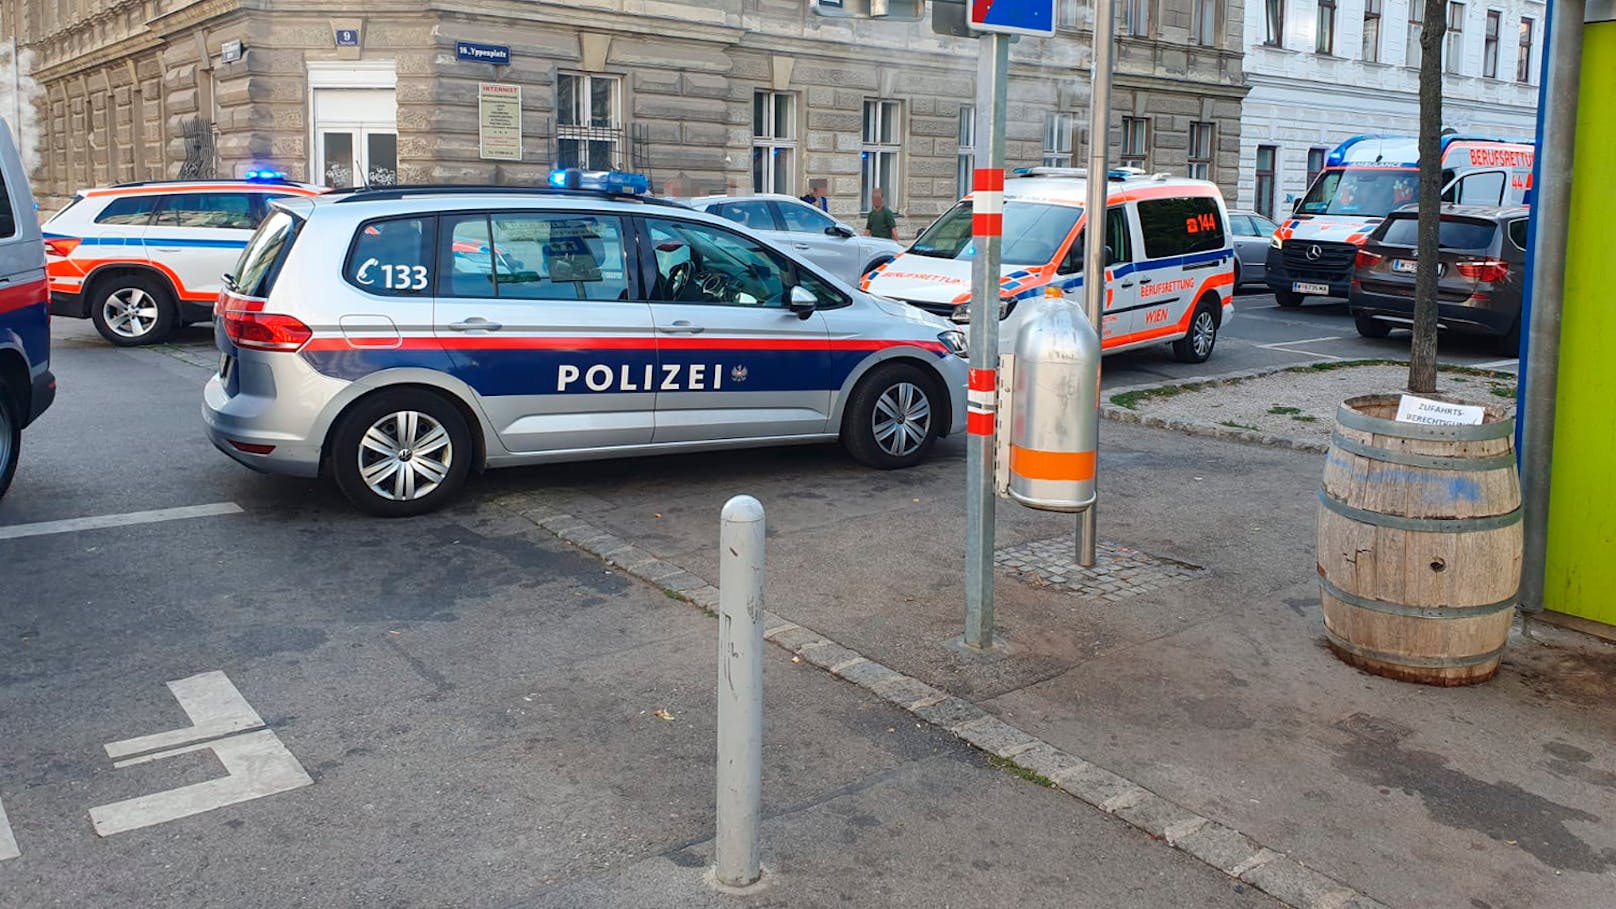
pixel 132 309
pixel 10 437
pixel 891 418
pixel 1287 298
pixel 401 453
pixel 1509 343
pixel 1197 344
pixel 1370 327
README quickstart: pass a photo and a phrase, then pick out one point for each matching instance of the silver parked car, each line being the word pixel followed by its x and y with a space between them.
pixel 828 243
pixel 1251 233
pixel 397 338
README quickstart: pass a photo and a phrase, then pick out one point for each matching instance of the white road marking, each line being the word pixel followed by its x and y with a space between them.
pixel 215 707
pixel 256 762
pixel 1302 341
pixel 101 522
pixel 258 765
pixel 8 840
pixel 1498 363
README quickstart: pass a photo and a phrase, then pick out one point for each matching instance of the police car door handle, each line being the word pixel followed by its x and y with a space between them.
pixel 802 246
pixel 1126 284
pixel 682 327
pixel 476 323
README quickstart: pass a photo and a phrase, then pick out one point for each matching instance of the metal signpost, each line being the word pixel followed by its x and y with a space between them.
pixel 1094 258
pixel 998 20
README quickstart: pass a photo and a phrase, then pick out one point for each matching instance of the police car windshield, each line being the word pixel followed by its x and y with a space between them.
pixel 1033 233
pixel 1361 192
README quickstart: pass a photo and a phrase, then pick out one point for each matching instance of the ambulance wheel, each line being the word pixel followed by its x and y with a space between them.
pixel 1288 299
pixel 891 417
pixel 132 309
pixel 401 453
pixel 1197 343
pixel 10 436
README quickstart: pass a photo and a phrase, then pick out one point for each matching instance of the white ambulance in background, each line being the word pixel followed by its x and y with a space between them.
pixel 1367 178
pixel 1171 255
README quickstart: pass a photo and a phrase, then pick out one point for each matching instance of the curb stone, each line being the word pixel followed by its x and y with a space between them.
pixel 1206 840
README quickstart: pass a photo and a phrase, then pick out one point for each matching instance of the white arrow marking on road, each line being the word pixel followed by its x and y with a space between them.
pixel 8 840
pixel 257 763
pixel 101 522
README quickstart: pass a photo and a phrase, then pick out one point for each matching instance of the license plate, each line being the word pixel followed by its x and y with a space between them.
pixel 224 365
pixel 1302 287
pixel 1410 266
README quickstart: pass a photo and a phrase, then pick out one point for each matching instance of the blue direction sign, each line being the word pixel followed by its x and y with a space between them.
pixel 1015 17
pixel 497 54
pixel 347 37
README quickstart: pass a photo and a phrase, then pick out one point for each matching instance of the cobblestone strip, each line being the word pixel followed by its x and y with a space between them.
pixel 1224 848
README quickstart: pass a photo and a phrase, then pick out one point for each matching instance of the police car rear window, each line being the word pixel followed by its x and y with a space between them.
pixel 392 257
pixel 1177 227
pixel 260 263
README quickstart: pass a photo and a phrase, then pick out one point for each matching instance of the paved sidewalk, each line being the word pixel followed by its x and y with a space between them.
pixel 1196 669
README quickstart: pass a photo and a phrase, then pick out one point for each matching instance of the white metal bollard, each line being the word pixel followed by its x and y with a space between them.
pixel 740 692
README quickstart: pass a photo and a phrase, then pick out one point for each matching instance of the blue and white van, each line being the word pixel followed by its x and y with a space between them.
pixel 26 384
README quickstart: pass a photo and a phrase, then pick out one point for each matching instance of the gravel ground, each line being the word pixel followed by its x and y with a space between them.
pixel 1301 403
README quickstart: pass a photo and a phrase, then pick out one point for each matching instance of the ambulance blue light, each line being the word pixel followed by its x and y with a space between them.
pixel 265 175
pixel 611 181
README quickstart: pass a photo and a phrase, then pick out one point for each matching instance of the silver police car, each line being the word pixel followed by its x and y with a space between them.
pixel 398 338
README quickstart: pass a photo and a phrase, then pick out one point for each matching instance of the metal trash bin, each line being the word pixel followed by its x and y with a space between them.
pixel 1054 409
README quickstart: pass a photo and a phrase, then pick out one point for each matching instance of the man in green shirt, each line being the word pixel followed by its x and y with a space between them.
pixel 881 222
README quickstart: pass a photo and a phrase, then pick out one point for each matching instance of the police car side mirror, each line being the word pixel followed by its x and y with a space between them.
pixel 802 302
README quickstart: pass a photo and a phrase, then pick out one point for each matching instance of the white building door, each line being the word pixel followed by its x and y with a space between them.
pixel 354 114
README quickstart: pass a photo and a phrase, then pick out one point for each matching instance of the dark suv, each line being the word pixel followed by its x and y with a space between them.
pixel 1482 271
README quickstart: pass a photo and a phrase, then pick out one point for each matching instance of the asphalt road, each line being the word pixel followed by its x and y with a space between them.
pixel 1264 334
pixel 455 710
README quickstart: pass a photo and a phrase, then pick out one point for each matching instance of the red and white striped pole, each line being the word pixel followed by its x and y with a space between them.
pixel 987 228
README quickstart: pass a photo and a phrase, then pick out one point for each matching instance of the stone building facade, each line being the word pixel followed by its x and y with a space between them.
pixel 703 95
pixel 1322 71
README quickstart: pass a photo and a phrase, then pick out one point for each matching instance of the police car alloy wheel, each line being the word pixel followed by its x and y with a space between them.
pixel 10 439
pixel 401 453
pixel 891 418
pixel 1197 345
pixel 130 311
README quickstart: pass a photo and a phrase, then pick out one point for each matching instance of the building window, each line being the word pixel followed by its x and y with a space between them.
pixel 1451 53
pixel 1135 142
pixel 1265 179
pixel 1066 14
pixel 883 138
pixel 1204 25
pixel 1523 58
pixel 1200 153
pixel 1371 31
pixel 1315 163
pixel 1136 18
pixel 588 125
pixel 774 142
pixel 965 162
pixel 1411 51
pixel 1275 22
pixel 1325 33
pixel 1058 127
pixel 1489 48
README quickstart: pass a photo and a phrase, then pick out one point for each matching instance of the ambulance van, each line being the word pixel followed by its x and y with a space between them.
pixel 1170 276
pixel 1367 178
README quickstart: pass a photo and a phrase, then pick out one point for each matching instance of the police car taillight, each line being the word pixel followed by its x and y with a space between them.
pixel 265 330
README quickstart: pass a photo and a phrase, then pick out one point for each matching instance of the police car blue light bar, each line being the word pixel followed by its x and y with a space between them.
pixel 264 175
pixel 611 181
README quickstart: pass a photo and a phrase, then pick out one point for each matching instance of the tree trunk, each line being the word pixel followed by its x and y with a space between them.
pixel 1422 354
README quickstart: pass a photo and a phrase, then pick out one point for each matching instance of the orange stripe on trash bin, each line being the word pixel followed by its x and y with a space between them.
pixel 1051 465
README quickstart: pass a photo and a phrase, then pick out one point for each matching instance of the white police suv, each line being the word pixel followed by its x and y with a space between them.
pixel 398 338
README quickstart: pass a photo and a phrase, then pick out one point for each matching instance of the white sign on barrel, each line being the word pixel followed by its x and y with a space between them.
pixel 1413 409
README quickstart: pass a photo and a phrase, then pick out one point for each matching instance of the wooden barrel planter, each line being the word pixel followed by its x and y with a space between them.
pixel 1419 543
